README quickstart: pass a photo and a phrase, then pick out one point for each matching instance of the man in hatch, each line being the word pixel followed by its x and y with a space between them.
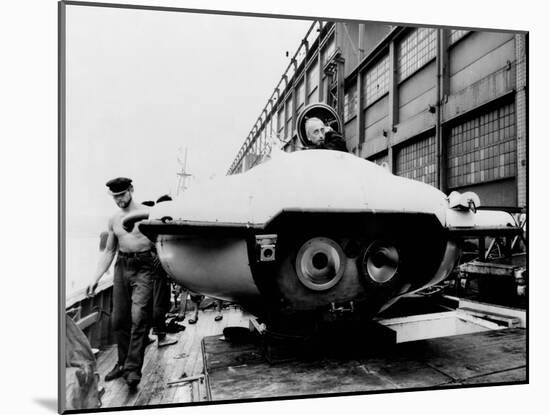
pixel 135 270
pixel 323 136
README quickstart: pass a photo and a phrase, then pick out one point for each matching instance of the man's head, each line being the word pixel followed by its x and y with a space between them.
pixel 121 189
pixel 315 130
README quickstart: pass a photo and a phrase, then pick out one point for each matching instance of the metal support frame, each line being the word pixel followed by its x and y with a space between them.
pixel 340 79
pixel 443 85
pixel 320 67
pixel 393 103
pixel 360 114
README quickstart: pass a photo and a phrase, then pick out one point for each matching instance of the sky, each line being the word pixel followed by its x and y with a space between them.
pixel 143 86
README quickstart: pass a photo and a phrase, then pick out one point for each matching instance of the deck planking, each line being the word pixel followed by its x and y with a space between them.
pixel 241 372
pixel 499 356
pixel 167 364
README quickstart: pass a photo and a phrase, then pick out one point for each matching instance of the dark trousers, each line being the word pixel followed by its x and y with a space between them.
pixel 132 308
pixel 161 302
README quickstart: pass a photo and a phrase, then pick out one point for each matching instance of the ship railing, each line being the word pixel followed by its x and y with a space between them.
pixel 92 314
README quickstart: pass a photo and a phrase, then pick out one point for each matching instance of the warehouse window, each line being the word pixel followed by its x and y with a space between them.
pixel 328 50
pixel 288 117
pixel 272 128
pixel 377 80
pixel 415 51
pixel 417 161
pixel 268 134
pixel 300 95
pixel 261 140
pixel 281 123
pixel 268 128
pixel 483 149
pixel 350 103
pixel 313 82
pixel 456 35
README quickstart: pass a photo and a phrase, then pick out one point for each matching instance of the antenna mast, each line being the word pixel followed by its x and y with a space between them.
pixel 182 174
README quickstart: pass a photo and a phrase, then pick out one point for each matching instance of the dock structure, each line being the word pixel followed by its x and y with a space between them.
pixel 204 366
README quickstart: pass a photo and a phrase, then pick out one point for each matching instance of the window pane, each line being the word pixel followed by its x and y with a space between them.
pixel 313 77
pixel 350 103
pixel 415 50
pixel 328 50
pixel 483 148
pixel 456 35
pixel 300 94
pixel 417 161
pixel 280 123
pixel 376 81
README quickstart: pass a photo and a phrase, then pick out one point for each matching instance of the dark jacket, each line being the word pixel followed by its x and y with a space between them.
pixel 333 141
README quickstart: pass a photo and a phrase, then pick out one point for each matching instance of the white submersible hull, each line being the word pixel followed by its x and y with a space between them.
pixel 309 234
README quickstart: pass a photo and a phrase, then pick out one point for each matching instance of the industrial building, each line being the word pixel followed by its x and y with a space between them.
pixel 444 106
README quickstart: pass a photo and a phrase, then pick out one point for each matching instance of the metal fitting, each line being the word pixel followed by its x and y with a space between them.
pixel 265 245
pixel 342 308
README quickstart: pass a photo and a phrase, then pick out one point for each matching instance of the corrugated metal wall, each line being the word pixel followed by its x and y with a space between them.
pixel 409 93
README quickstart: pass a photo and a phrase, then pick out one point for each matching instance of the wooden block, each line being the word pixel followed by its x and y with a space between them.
pixel 87 321
pixel 185 380
pixel 500 319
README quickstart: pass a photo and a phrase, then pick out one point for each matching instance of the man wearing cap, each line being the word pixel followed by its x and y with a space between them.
pixel 132 286
pixel 323 137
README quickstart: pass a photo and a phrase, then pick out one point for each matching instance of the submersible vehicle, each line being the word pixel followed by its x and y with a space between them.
pixel 312 235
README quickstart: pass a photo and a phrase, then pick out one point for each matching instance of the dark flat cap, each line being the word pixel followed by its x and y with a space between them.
pixel 118 185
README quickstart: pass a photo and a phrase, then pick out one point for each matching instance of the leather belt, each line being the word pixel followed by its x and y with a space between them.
pixel 149 252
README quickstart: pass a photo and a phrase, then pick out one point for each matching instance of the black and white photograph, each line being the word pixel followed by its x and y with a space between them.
pixel 259 207
pixel 274 207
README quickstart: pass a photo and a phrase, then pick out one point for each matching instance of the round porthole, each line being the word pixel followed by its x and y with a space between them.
pixel 380 262
pixel 320 263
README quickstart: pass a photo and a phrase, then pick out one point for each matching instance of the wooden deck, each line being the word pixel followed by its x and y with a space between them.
pixel 240 371
pixel 490 357
pixel 168 364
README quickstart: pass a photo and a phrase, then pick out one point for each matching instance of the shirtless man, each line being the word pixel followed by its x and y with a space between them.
pixel 135 270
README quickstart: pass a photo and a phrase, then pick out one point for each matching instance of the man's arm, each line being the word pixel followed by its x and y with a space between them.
pixel 105 260
pixel 134 217
pixel 335 141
